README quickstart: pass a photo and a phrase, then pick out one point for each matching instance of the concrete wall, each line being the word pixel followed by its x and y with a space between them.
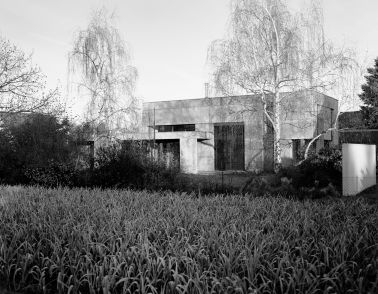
pixel 300 113
pixel 254 129
pixel 359 168
pixel 327 108
pixel 205 156
pixel 286 152
pixel 205 148
pixel 188 155
pixel 299 121
pixel 298 116
pixel 304 116
pixel 204 113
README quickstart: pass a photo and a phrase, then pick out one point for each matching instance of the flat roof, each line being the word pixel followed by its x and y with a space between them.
pixel 234 96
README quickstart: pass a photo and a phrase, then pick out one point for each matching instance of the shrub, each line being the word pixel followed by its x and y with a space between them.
pixel 11 165
pixel 53 175
pixel 316 177
pixel 130 165
pixel 40 138
pixel 204 185
pixel 324 167
pixel 34 147
pixel 274 185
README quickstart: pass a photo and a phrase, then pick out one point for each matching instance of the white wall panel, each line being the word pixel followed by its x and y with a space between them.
pixel 359 168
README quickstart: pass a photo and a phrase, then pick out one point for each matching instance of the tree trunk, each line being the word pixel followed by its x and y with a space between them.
pixel 277 133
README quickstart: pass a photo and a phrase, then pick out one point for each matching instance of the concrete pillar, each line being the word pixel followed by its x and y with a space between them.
pixel 205 155
pixel 188 155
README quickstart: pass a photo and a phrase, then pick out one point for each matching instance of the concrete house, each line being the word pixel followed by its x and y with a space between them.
pixel 231 133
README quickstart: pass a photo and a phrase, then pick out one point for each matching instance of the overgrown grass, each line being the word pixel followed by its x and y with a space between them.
pixel 122 241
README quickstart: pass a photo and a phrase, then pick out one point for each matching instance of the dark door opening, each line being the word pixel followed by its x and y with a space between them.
pixel 229 146
pixel 169 152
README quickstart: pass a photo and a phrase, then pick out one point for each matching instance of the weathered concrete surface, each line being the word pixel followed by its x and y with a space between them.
pixel 358 168
pixel 204 113
pixel 306 114
pixel 205 148
pixel 205 156
pixel 168 135
pixel 188 155
pixel 300 120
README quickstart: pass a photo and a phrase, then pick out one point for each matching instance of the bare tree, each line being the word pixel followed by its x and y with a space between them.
pixel 101 60
pixel 346 86
pixel 22 84
pixel 270 50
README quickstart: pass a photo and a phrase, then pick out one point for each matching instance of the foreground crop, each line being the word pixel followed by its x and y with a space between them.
pixel 110 241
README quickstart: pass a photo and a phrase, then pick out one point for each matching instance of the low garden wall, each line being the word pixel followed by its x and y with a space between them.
pixel 358 168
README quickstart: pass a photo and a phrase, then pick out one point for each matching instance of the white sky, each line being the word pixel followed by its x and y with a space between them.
pixel 168 38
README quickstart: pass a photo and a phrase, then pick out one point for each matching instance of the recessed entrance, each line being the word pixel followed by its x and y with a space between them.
pixel 169 151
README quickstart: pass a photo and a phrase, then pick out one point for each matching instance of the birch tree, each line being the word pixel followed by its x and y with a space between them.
pixel 100 61
pixel 346 85
pixel 270 50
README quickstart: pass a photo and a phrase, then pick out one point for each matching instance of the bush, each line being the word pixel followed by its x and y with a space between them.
pixel 321 169
pixel 204 185
pixel 31 141
pixel 38 149
pixel 39 138
pixel 130 165
pixel 318 176
pixel 53 175
pixel 274 185
pixel 11 165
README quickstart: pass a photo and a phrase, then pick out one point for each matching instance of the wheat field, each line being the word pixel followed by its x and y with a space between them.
pixel 123 241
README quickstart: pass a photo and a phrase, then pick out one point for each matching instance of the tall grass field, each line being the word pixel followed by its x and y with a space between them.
pixel 123 241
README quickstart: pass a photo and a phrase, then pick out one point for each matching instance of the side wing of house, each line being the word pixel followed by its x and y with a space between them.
pixel 305 115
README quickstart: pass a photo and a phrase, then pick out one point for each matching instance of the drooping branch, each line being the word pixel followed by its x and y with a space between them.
pixel 102 59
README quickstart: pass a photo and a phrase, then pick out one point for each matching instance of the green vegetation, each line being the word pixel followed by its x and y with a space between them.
pixel 29 142
pixel 123 241
pixel 369 97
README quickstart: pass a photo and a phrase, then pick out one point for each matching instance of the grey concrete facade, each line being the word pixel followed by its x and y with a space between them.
pixel 304 115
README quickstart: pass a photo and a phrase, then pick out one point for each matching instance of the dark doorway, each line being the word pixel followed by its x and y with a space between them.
pixel 169 152
pixel 229 146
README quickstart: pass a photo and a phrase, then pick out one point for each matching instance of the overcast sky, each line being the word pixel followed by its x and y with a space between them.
pixel 168 38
